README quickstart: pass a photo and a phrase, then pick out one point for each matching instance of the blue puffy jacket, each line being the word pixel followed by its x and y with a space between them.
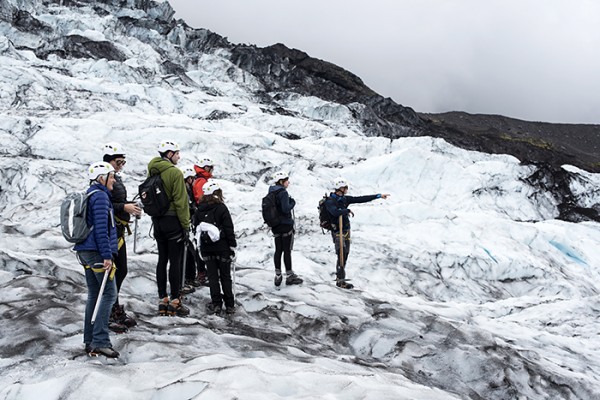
pixel 100 215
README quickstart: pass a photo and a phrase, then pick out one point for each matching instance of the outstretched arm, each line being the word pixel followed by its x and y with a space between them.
pixel 365 199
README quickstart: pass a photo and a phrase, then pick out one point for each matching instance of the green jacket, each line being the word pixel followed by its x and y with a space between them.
pixel 174 185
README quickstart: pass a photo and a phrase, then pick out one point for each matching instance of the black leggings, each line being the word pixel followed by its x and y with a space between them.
pixel 169 239
pixel 218 269
pixel 121 264
pixel 193 263
pixel 283 246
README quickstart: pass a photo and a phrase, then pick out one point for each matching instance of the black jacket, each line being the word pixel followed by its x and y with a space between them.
pixel 338 205
pixel 218 215
pixel 119 199
pixel 285 204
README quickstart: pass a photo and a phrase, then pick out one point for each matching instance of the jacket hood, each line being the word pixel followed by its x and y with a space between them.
pixel 274 188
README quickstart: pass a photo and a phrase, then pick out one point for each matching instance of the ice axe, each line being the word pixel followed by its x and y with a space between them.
pixel 99 299
pixel 340 224
pixel 185 251
pixel 135 227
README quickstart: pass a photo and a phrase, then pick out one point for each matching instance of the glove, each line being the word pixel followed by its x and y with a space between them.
pixel 232 256
pixel 186 235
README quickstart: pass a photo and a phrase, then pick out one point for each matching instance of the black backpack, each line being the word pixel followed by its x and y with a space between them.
pixel 270 209
pixel 324 216
pixel 153 196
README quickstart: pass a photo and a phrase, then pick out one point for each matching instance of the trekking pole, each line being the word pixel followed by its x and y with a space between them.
pixel 135 226
pixel 233 276
pixel 99 299
pixel 135 229
pixel 341 226
pixel 185 251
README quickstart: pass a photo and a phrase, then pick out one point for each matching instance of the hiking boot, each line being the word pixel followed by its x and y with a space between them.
pixel 193 283
pixel 107 352
pixel 119 316
pixel 212 308
pixel 293 279
pixel 341 283
pixel 178 309
pixel 117 327
pixel 230 310
pixel 163 306
pixel 278 279
pixel 202 278
pixel 187 289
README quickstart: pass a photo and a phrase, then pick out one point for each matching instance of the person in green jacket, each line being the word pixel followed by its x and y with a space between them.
pixel 171 230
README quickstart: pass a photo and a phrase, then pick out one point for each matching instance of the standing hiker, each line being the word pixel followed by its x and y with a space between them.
pixel 217 246
pixel 115 155
pixel 337 206
pixel 204 168
pixel 96 254
pixel 284 230
pixel 171 230
pixel 195 270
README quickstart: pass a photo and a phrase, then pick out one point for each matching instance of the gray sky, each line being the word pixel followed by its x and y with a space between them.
pixel 537 60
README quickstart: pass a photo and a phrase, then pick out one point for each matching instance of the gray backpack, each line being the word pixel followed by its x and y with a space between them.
pixel 73 217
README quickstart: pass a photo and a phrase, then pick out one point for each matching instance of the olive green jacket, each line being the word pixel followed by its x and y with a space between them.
pixel 174 185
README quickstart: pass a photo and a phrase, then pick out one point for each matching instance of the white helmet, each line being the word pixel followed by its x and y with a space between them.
pixel 279 175
pixel 204 161
pixel 99 168
pixel 112 149
pixel 210 187
pixel 167 145
pixel 188 172
pixel 339 183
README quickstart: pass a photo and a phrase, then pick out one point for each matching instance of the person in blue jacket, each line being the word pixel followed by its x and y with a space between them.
pixel 284 232
pixel 96 254
pixel 337 205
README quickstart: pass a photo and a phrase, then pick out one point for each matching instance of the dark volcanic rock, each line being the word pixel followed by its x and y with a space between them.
pixel 557 181
pixel 280 68
pixel 25 22
pixel 76 46
pixel 530 142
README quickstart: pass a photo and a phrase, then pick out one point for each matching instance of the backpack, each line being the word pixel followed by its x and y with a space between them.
pixel 153 196
pixel 270 210
pixel 73 217
pixel 324 216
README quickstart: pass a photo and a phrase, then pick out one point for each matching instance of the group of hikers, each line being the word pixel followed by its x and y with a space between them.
pixel 194 205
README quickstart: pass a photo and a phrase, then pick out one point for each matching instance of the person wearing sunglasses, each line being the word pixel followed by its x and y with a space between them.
pixel 114 154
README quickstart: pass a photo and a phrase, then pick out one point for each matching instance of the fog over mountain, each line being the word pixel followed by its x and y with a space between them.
pixel 477 279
